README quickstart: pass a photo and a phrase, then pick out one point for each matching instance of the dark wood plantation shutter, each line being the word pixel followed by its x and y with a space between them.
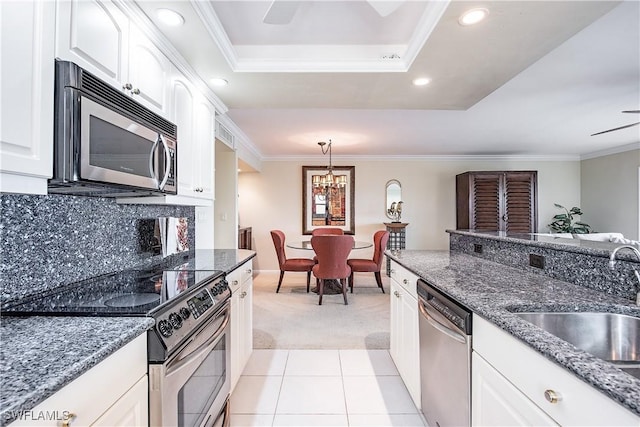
pixel 520 202
pixel 486 197
pixel 497 201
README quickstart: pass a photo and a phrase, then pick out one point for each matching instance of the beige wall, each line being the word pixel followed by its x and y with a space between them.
pixel 271 199
pixel 610 192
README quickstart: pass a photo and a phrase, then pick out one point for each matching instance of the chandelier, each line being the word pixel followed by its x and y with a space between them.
pixel 329 179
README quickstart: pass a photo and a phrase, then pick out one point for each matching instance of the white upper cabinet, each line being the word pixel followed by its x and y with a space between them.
pixel 95 35
pixel 26 84
pixel 100 38
pixel 182 93
pixel 204 138
pixel 149 72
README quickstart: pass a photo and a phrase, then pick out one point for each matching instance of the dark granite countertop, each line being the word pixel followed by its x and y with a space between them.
pixel 40 355
pixel 545 240
pixel 495 291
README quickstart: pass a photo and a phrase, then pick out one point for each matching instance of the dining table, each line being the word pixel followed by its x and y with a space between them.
pixel 331 287
pixel 306 245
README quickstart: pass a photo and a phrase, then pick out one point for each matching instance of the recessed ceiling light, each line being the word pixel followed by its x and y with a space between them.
pixel 473 16
pixel 170 17
pixel 422 81
pixel 218 82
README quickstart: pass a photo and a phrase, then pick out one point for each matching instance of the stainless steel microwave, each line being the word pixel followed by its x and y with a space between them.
pixel 105 143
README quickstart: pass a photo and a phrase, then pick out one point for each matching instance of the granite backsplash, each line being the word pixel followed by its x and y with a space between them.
pixel 49 241
pixel 584 267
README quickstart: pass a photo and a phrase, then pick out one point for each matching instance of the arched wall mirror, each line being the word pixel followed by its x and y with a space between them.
pixel 393 196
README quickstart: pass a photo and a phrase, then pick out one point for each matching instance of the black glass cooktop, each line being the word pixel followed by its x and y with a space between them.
pixel 127 293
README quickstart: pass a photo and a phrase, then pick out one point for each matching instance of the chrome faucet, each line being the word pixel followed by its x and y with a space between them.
pixel 612 264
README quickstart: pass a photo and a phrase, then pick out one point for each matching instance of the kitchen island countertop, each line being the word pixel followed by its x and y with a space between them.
pixel 495 291
pixel 39 355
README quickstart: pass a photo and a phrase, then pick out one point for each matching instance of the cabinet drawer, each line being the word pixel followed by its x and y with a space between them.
pixel 246 271
pixel 404 278
pixel 533 374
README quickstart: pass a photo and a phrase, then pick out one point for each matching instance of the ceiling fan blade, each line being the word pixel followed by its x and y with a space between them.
pixel 385 8
pixel 632 111
pixel 621 127
pixel 281 12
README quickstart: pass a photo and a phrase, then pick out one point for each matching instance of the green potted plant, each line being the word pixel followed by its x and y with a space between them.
pixel 564 223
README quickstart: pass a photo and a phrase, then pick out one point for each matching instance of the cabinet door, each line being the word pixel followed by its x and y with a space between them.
pixel 395 330
pixel 520 210
pixel 205 115
pixel 149 72
pixel 486 202
pixel 496 402
pixel 236 320
pixel 246 343
pixel 182 101
pixel 130 410
pixel 26 83
pixel 94 34
pixel 410 347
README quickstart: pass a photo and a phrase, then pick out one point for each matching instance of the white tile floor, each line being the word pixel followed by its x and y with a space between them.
pixel 322 388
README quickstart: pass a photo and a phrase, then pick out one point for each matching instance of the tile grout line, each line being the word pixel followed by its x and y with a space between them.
pixel 284 371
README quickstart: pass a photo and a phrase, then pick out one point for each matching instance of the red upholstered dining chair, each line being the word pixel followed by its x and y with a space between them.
pixel 332 252
pixel 290 264
pixel 326 231
pixel 380 239
pixel 323 231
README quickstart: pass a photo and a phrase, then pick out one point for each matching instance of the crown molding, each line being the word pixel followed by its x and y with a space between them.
pixel 613 150
pixel 425 27
pixel 293 58
pixel 442 158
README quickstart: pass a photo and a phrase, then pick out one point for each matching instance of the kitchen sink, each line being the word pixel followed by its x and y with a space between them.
pixel 609 336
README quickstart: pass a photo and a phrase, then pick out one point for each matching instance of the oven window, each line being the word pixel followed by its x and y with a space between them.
pixel 119 150
pixel 197 395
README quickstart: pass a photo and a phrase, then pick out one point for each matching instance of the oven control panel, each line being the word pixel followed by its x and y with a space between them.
pixel 171 322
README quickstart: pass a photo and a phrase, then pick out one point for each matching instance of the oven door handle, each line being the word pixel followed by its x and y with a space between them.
pixel 440 326
pixel 173 366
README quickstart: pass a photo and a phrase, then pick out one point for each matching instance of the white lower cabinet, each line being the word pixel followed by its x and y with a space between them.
pixel 404 334
pixel 510 381
pixel 241 283
pixel 496 402
pixel 113 393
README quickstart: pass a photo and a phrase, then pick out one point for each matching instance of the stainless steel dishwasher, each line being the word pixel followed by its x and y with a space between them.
pixel 445 358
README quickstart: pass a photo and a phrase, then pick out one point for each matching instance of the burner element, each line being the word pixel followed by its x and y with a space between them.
pixel 132 300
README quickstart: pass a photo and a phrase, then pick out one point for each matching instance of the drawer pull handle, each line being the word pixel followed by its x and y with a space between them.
pixel 67 420
pixel 405 281
pixel 552 396
pixel 235 283
pixel 397 294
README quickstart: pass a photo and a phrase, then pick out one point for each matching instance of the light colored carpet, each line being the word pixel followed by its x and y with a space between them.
pixel 292 319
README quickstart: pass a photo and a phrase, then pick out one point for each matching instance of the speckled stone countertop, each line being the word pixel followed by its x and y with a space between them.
pixel 579 246
pixel 40 355
pixel 495 292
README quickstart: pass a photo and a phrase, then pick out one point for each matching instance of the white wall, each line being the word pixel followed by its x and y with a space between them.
pixel 271 199
pixel 610 193
pixel 225 212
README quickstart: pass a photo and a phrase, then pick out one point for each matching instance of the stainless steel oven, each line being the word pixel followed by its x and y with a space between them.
pixel 191 388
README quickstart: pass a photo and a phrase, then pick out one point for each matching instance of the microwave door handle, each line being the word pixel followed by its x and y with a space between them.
pixel 166 163
pixel 152 158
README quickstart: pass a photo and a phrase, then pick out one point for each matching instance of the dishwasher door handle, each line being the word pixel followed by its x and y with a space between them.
pixel 439 325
